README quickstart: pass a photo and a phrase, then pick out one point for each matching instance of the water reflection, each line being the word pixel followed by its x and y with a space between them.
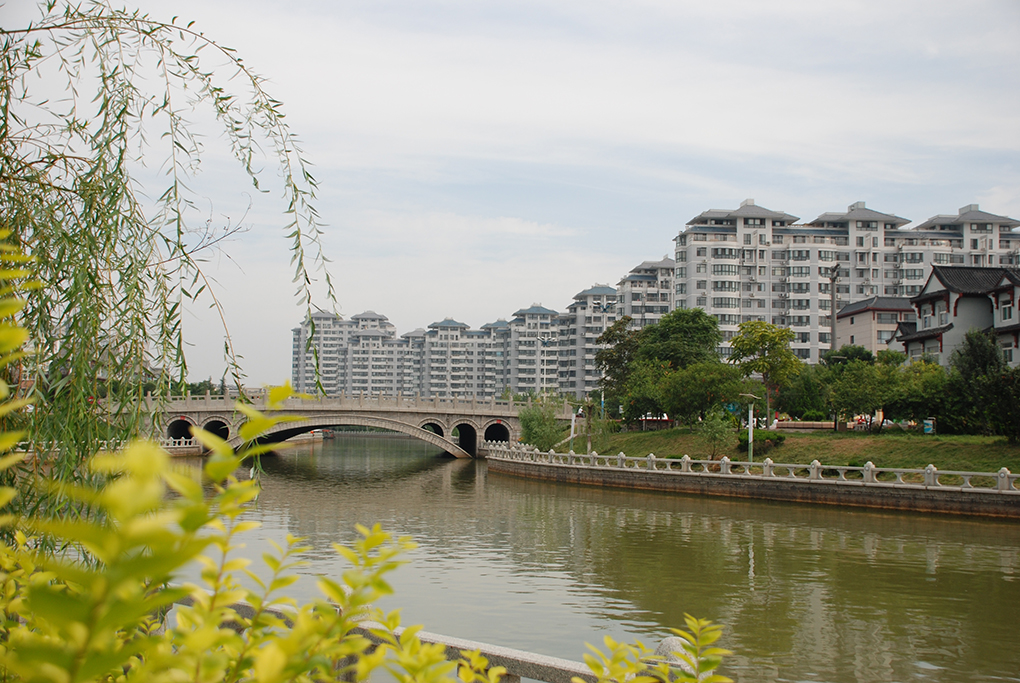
pixel 806 593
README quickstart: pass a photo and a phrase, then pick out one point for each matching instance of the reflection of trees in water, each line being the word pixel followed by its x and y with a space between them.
pixel 867 589
pixel 840 594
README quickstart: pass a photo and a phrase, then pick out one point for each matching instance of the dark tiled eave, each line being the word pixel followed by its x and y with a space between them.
pixel 921 335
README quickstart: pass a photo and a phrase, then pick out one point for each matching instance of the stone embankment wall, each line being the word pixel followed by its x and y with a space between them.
pixel 992 494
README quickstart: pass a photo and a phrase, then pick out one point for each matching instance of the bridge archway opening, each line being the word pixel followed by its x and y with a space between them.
pixel 218 427
pixel 467 438
pixel 178 429
pixel 434 428
pixel 497 432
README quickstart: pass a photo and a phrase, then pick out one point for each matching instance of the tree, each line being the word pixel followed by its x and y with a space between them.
pixel 920 392
pixel 846 354
pixel 614 358
pixel 975 367
pixel 681 338
pixel 806 392
pixel 857 391
pixel 1006 404
pixel 890 357
pixel 539 426
pixel 116 268
pixel 115 262
pixel 643 391
pixel 763 348
pixel 716 428
pixel 697 390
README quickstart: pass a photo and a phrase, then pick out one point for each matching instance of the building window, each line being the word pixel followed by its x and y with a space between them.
pixel 1007 312
pixel 702 251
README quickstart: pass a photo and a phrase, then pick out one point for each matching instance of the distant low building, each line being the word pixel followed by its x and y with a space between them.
pixel 873 322
pixel 958 299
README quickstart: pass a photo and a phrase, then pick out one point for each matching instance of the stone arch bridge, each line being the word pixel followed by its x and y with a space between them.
pixel 430 419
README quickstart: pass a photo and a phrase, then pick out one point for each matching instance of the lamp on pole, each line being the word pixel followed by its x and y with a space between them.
pixel 750 425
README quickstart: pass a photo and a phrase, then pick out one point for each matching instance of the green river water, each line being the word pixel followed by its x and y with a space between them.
pixel 806 593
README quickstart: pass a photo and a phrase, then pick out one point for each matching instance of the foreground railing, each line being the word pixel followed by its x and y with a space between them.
pixel 518 663
pixel 869 474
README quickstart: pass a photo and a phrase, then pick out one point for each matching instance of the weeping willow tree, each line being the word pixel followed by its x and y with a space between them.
pixel 92 101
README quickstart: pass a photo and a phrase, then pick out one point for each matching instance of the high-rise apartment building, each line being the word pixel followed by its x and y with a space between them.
pixel 752 263
pixel 646 292
pixel 584 321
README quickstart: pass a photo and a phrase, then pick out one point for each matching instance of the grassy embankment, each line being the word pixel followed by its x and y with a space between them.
pixel 892 449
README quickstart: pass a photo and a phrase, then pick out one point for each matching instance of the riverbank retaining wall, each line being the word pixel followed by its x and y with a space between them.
pixel 815 483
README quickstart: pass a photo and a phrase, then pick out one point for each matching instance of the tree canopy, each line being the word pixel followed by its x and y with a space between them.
pixel 763 348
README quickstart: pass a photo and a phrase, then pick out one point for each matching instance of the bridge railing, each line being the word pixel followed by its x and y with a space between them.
pixel 868 475
pixel 363 401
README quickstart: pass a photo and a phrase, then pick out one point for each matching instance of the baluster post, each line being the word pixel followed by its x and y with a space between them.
pixel 816 470
pixel 651 461
pixel 685 463
pixel 767 468
pixel 724 465
pixel 870 476
pixel 1002 482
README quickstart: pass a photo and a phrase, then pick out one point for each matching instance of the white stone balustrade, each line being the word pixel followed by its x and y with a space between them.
pixel 869 475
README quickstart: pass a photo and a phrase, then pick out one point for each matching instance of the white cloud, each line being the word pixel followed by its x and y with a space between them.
pixel 477 157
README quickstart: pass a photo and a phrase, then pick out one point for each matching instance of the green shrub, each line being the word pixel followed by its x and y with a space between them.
pixel 764 440
pixel 814 416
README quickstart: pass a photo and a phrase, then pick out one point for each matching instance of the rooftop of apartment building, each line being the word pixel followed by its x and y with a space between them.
pixel 535 309
pixel 722 221
pixel 599 290
pixel 748 209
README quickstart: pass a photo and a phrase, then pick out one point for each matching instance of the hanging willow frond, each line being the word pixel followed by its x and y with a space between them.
pixel 88 95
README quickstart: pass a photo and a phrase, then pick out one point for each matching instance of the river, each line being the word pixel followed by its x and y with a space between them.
pixel 806 593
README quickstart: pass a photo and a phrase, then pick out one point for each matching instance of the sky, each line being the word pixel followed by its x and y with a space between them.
pixel 477 157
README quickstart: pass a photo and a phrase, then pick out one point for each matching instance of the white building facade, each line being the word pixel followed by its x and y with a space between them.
pixel 752 263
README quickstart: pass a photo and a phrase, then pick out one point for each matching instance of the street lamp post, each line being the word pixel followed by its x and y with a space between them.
pixel 750 426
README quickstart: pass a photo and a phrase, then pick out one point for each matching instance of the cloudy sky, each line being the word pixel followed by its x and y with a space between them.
pixel 477 157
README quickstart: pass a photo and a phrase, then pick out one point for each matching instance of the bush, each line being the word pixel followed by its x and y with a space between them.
pixel 539 426
pixel 814 416
pixel 764 440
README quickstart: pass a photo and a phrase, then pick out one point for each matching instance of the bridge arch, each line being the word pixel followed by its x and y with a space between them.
pixel 217 426
pixel 467 436
pixel 285 430
pixel 179 428
pixel 434 426
pixel 497 430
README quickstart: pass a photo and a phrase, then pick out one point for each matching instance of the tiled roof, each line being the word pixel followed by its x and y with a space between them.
pixel 369 315
pixel 666 262
pixel 969 279
pixel 747 209
pixel 858 212
pixel 448 324
pixel 597 290
pixel 925 334
pixel 876 303
pixel 968 214
pixel 536 309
